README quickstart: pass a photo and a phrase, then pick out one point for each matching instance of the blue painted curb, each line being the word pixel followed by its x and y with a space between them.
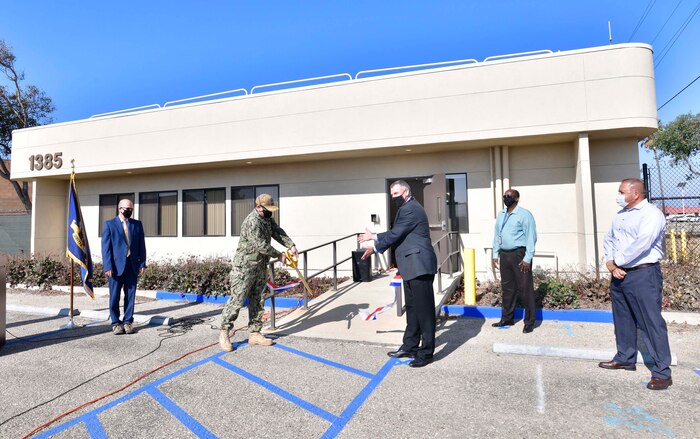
pixel 280 302
pixel 567 315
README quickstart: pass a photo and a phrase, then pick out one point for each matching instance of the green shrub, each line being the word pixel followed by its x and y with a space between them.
pixel 681 287
pixel 557 294
pixel 207 276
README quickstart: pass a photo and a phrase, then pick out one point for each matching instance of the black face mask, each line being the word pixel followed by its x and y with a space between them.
pixel 127 213
pixel 267 214
pixel 508 200
pixel 398 201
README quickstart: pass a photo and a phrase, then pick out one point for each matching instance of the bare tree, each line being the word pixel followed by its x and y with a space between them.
pixel 21 106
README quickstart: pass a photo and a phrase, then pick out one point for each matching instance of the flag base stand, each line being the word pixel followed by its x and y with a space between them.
pixel 70 325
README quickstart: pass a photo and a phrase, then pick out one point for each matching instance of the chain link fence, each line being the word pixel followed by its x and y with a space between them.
pixel 675 189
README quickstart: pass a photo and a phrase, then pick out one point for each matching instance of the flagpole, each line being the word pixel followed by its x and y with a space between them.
pixel 71 324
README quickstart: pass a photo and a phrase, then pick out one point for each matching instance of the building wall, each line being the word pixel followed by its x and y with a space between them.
pixel 49 215
pixel 561 128
pixel 611 162
pixel 603 88
pixel 324 200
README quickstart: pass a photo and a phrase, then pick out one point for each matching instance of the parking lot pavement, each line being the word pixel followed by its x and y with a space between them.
pixel 306 387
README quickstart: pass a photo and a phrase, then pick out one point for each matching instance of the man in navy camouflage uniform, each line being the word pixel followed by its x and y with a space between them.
pixel 249 272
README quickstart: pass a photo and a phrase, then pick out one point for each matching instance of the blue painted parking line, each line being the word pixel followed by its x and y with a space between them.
pixel 567 329
pixel 362 373
pixel 697 371
pixel 96 430
pixel 356 403
pixel 188 421
pixel 95 412
pixel 278 391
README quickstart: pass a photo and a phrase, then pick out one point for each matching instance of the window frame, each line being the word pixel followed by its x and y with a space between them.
pixel 466 201
pixel 204 212
pixel 158 218
pixel 120 196
pixel 255 187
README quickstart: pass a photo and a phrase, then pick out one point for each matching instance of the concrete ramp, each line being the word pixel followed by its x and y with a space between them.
pixel 339 315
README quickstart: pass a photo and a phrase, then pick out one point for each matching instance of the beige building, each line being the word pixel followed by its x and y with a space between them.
pixel 560 127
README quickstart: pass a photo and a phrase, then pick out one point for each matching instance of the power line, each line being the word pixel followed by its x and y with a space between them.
pixel 666 22
pixel 678 33
pixel 674 96
pixel 650 5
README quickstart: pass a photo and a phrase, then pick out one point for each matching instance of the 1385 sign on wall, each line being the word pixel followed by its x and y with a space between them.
pixel 45 161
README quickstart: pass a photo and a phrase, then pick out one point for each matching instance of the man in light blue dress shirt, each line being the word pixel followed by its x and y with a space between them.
pixel 632 253
pixel 514 241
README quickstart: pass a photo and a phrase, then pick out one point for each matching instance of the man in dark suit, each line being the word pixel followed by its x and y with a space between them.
pixel 417 263
pixel 124 259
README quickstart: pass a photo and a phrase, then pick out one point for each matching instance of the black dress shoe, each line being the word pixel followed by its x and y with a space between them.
pixel 616 365
pixel 400 354
pixel 528 329
pixel 502 323
pixel 420 362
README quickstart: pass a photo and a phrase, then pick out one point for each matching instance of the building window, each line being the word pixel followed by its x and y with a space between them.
pixel 457 202
pixel 158 213
pixel 108 207
pixel 243 202
pixel 204 212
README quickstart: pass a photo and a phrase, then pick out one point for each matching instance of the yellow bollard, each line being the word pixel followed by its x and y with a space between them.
pixel 684 247
pixel 674 256
pixel 469 277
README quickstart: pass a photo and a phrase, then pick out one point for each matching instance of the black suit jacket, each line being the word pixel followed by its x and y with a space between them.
pixel 411 238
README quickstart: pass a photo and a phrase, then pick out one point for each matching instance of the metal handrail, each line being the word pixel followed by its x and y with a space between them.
pixel 442 63
pixel 349 76
pixel 296 81
pixel 513 55
pixel 126 110
pixel 245 92
pixel 448 259
pixel 304 268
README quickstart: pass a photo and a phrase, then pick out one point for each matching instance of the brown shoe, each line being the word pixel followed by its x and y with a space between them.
pixel 118 329
pixel 615 365
pixel 259 339
pixel 225 341
pixel 129 328
pixel 659 383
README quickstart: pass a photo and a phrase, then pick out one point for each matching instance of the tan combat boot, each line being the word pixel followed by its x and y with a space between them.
pixel 225 341
pixel 259 339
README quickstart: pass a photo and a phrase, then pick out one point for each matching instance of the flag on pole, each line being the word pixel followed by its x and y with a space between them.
pixel 77 247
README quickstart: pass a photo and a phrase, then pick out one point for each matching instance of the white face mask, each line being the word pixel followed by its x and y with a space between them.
pixel 620 200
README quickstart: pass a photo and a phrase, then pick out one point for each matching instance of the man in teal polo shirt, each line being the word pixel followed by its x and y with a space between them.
pixel 514 245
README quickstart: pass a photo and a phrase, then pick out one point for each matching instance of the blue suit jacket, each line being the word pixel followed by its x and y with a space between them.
pixel 410 236
pixel 114 246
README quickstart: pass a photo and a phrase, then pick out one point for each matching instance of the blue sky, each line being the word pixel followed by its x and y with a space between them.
pixel 93 57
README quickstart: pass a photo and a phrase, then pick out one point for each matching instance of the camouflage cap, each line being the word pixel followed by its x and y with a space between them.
pixel 266 201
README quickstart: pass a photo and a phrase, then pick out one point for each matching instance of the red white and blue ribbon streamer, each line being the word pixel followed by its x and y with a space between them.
pixel 372 315
pixel 285 287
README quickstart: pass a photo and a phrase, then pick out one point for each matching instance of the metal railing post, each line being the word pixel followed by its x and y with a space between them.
pixel 335 265
pixel 306 276
pixel 449 257
pixel 272 295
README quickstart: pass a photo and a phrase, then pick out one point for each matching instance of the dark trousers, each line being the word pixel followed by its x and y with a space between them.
pixel 514 281
pixel 420 316
pixel 127 282
pixel 636 302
